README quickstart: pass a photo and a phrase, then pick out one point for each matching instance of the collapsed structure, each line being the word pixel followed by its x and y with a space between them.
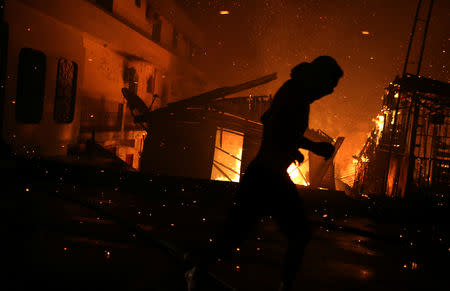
pixel 209 136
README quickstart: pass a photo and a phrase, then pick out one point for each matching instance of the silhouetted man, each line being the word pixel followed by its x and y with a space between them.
pixel 266 188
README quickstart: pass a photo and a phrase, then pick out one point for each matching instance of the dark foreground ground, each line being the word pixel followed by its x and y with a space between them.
pixel 75 227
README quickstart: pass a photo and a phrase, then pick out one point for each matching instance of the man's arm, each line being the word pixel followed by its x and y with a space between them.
pixel 323 149
pixel 305 143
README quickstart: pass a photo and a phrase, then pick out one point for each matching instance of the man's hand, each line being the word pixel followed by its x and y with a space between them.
pixel 323 149
pixel 297 156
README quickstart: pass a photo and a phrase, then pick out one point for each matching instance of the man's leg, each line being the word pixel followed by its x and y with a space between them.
pixel 292 221
pixel 239 222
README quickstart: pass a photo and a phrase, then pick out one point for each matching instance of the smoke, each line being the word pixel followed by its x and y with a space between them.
pixel 288 33
pixel 367 38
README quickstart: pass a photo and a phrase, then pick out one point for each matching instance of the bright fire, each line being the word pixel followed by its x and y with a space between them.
pixel 300 173
pixel 227 155
pixel 379 126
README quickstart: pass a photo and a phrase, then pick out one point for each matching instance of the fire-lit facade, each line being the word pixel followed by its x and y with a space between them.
pixel 408 150
pixel 67 62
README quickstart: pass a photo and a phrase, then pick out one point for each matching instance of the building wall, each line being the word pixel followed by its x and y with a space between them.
pixel 179 19
pixel 171 16
pixel 133 14
pixel 104 47
pixel 29 29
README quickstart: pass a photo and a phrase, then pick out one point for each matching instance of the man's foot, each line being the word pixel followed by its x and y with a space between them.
pixel 284 287
pixel 191 277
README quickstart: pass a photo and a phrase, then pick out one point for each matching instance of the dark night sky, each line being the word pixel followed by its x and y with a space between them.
pixel 264 36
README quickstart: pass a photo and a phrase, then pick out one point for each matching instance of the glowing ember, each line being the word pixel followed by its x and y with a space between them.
pixel 365 32
pixel 224 12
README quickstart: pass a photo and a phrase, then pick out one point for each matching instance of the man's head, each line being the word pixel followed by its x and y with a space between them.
pixel 319 77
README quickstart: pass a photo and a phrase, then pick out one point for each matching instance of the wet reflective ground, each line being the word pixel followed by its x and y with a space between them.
pixel 77 228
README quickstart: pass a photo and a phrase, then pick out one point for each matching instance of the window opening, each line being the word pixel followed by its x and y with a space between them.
pixel 175 39
pixel 156 31
pixel 227 155
pixel 151 84
pixel 105 4
pixel 30 86
pixel 131 78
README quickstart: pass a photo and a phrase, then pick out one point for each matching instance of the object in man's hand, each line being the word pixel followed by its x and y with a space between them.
pixel 299 157
pixel 324 149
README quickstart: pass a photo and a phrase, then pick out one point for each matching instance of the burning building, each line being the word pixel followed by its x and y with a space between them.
pixel 408 151
pixel 66 62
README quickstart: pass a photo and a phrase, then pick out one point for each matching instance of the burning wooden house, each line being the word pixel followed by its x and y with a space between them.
pixel 209 136
pixel 409 150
